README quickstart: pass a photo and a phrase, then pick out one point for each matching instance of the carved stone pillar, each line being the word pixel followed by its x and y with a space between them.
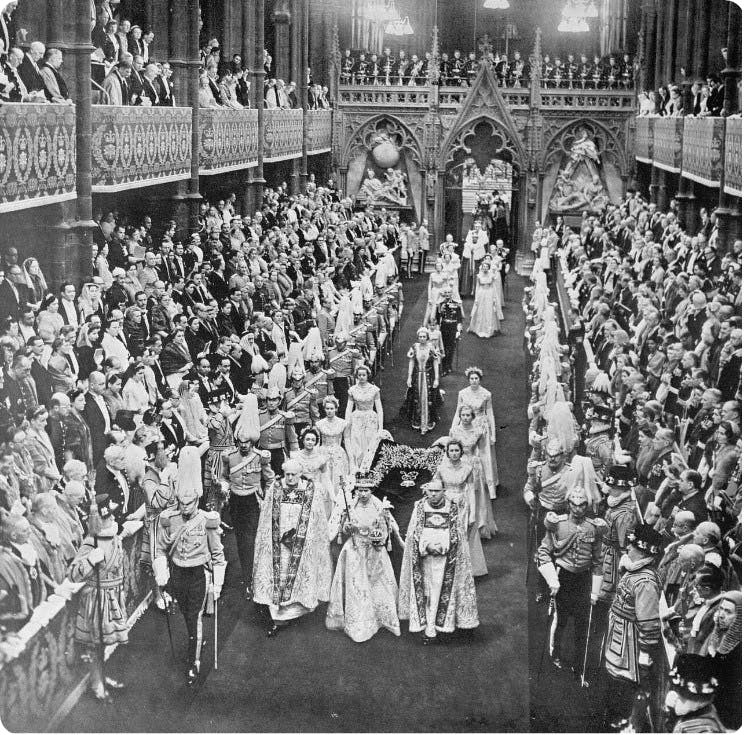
pixel 650 42
pixel 253 43
pixel 701 32
pixel 731 73
pixel 687 204
pixel 658 54
pixel 282 40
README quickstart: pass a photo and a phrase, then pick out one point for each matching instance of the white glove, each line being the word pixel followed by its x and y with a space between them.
pixel 548 572
pixel 219 577
pixel 160 571
pixel 644 659
pixel 597 583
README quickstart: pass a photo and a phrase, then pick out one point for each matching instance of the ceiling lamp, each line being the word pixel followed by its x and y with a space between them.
pixel 574 25
pixel 393 28
pixel 497 4
pixel 591 11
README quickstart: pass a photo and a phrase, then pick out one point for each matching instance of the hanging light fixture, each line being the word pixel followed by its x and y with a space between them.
pixel 591 11
pixel 497 4
pixel 406 29
pixel 574 17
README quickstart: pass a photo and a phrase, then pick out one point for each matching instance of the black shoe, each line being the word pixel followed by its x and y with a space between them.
pixel 428 641
pixel 556 661
pixel 619 725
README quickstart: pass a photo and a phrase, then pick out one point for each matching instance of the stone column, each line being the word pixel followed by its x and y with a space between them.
pixel 282 60
pixel 650 43
pixel 302 83
pixel 658 54
pixel 671 40
pixel 733 70
pixel 255 29
pixel 75 255
pixel 701 32
pixel 687 202
pixel 662 195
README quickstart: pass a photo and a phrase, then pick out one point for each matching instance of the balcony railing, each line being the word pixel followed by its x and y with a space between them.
pixel 283 134
pixel 705 150
pixel 667 149
pixel 37 155
pixel 703 143
pixel 588 99
pixel 644 139
pixel 319 131
pixel 141 146
pixel 384 96
pixel 228 140
pixel 733 157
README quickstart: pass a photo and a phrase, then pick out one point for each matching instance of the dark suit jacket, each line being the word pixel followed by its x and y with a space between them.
pixel 30 76
pixel 173 435
pixel 95 420
pixel 43 381
pixel 10 303
pixel 107 483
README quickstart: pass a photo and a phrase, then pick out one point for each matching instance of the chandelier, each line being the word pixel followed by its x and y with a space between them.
pixel 399 27
pixel 497 4
pixel 381 11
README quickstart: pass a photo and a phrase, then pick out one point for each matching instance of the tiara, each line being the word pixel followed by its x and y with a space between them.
pixel 474 369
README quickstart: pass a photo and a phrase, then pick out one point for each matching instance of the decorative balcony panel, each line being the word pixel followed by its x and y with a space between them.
pixel 581 100
pixel 283 134
pixel 733 157
pixel 667 150
pixel 384 96
pixel 703 140
pixel 37 155
pixel 228 140
pixel 40 671
pixel 644 138
pixel 139 146
pixel 319 131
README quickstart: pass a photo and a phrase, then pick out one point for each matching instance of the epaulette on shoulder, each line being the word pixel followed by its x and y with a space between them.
pixel 165 517
pixel 552 519
pixel 212 518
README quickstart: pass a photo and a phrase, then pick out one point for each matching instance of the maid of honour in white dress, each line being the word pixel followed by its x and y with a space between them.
pixel 364 417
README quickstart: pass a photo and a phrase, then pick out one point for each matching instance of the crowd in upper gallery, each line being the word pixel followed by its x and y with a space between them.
pixel 573 71
pixel 124 71
pixel 702 98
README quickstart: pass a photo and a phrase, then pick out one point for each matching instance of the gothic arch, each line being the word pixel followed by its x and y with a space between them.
pixel 508 144
pixel 397 130
pixel 608 142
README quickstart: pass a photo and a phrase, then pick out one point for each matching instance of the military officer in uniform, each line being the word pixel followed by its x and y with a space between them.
pixel 546 487
pixel 189 539
pixel 277 432
pixel 362 70
pixel 386 66
pixel 449 315
pixel 599 437
pixel 627 71
pixel 584 72
pixel 694 682
pixel 301 400
pixel 376 325
pixel 634 629
pixel 364 339
pixel 471 68
pixel 347 67
pixel 456 70
pixel 318 378
pixel 246 473
pixel 342 360
pixel 573 544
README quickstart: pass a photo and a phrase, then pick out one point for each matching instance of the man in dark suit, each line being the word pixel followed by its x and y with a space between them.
pixel 96 415
pixel 39 373
pixel 149 84
pixel 204 378
pixel 716 95
pixel 12 293
pixel 164 85
pixel 171 427
pixel 29 69
pixel 136 81
pixel 110 479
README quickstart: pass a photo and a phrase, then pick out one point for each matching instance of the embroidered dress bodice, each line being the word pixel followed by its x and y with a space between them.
pixel 332 431
pixel 364 396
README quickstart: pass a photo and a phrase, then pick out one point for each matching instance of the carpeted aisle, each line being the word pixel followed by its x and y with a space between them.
pixel 309 679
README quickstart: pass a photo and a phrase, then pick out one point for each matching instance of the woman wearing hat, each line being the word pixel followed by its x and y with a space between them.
pixel 364 591
pixel 423 395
